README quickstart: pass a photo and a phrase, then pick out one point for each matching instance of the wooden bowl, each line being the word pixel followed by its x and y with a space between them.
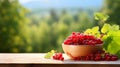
pixel 80 50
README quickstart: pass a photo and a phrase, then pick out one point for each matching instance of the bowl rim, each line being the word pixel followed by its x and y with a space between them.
pixel 83 45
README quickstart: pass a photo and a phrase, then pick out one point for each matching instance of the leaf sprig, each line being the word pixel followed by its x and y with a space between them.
pixel 49 54
pixel 111 33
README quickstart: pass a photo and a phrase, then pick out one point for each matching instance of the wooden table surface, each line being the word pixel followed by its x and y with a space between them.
pixel 38 58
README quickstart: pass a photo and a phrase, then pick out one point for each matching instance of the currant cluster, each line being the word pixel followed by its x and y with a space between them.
pixel 58 56
pixel 77 38
pixel 98 56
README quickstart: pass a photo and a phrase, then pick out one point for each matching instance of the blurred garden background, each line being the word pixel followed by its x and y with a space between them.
pixel 38 26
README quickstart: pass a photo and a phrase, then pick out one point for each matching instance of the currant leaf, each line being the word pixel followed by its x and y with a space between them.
pixel 49 54
pixel 107 41
pixel 101 16
pixel 115 27
pixel 88 31
pixel 105 28
pixel 95 29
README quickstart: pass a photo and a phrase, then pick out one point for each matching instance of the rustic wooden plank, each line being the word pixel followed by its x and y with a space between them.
pixel 58 65
pixel 38 58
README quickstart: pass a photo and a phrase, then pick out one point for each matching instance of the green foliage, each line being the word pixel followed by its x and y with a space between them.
pixel 22 31
pixel 48 34
pixel 112 8
pixel 13 25
pixel 105 28
pixel 110 34
pixel 94 31
pixel 49 54
pixel 110 37
pixel 101 16
pixel 112 42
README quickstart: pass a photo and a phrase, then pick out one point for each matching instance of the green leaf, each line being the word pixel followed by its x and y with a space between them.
pixel 98 34
pixel 115 27
pixel 114 33
pixel 118 53
pixel 107 41
pixel 113 47
pixel 95 29
pixel 112 42
pixel 105 28
pixel 88 31
pixel 101 16
pixel 49 54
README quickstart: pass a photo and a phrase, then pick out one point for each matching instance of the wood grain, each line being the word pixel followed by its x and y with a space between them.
pixel 38 58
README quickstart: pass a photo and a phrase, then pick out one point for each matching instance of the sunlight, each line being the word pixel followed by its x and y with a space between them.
pixel 24 1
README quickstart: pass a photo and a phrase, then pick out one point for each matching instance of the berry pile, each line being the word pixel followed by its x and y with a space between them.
pixel 58 56
pixel 98 56
pixel 77 38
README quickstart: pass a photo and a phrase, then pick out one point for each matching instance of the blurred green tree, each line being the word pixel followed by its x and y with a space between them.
pixel 112 8
pixel 39 34
pixel 13 27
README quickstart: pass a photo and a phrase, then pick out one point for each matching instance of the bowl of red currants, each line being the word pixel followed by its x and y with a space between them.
pixel 79 44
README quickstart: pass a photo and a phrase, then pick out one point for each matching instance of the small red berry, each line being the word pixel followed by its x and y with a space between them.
pixel 91 58
pixel 97 58
pixel 62 58
pixel 73 33
pixel 58 56
pixel 108 58
pixel 87 58
pixel 114 58
pixel 77 58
